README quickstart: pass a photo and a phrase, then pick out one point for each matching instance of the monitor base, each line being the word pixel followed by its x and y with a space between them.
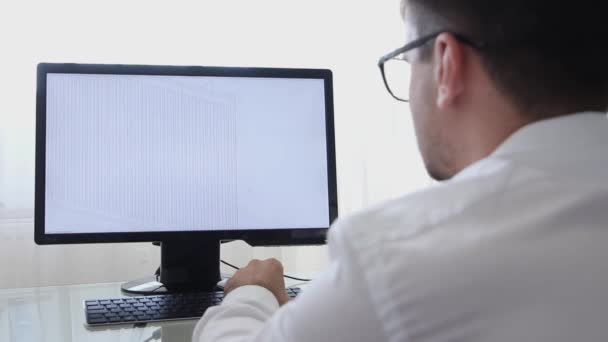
pixel 186 266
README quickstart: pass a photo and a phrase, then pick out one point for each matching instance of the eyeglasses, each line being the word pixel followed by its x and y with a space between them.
pixel 396 69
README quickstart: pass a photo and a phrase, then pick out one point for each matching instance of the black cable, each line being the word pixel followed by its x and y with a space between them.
pixel 296 278
pixel 229 264
pixel 284 275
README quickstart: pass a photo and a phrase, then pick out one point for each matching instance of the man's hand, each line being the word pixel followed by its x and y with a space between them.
pixel 267 273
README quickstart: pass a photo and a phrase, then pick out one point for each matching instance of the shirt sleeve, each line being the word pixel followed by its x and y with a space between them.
pixel 334 307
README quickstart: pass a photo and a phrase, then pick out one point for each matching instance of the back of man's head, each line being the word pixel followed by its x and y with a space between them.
pixel 544 55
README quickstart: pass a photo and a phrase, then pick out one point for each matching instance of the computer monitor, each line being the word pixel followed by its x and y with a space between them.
pixel 184 156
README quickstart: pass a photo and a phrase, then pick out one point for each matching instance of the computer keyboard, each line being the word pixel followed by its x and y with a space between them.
pixel 144 309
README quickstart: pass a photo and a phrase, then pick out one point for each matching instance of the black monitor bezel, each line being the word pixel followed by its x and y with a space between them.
pixel 308 236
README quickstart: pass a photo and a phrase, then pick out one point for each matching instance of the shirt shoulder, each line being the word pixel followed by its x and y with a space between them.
pixel 476 190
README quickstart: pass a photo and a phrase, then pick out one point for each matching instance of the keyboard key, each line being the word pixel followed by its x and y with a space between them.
pixel 157 316
pixel 95 316
pixel 95 307
pixel 97 311
pixel 97 321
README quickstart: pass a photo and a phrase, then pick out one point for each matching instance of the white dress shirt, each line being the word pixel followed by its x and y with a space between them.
pixel 514 248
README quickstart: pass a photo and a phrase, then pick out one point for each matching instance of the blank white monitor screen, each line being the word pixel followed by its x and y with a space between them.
pixel 139 153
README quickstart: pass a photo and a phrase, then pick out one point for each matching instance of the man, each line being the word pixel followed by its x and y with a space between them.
pixel 509 101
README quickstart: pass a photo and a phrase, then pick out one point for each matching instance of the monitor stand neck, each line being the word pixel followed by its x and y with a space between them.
pixel 185 266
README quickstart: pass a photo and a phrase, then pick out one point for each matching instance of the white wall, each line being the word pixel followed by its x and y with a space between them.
pixel 377 153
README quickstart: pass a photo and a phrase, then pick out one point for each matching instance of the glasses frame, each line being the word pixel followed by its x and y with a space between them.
pixel 416 44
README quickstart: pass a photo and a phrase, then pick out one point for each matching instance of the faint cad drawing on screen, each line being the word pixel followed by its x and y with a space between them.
pixel 167 153
pixel 118 125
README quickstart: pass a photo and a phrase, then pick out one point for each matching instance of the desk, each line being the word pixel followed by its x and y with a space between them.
pixel 55 314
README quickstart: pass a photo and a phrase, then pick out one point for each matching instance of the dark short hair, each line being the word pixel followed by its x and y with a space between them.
pixel 543 54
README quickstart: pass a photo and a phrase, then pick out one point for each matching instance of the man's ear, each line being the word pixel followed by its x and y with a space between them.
pixel 449 69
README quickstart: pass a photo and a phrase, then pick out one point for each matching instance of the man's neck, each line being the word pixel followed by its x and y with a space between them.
pixel 482 137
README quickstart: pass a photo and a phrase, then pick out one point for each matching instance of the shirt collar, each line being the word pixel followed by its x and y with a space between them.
pixel 561 132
